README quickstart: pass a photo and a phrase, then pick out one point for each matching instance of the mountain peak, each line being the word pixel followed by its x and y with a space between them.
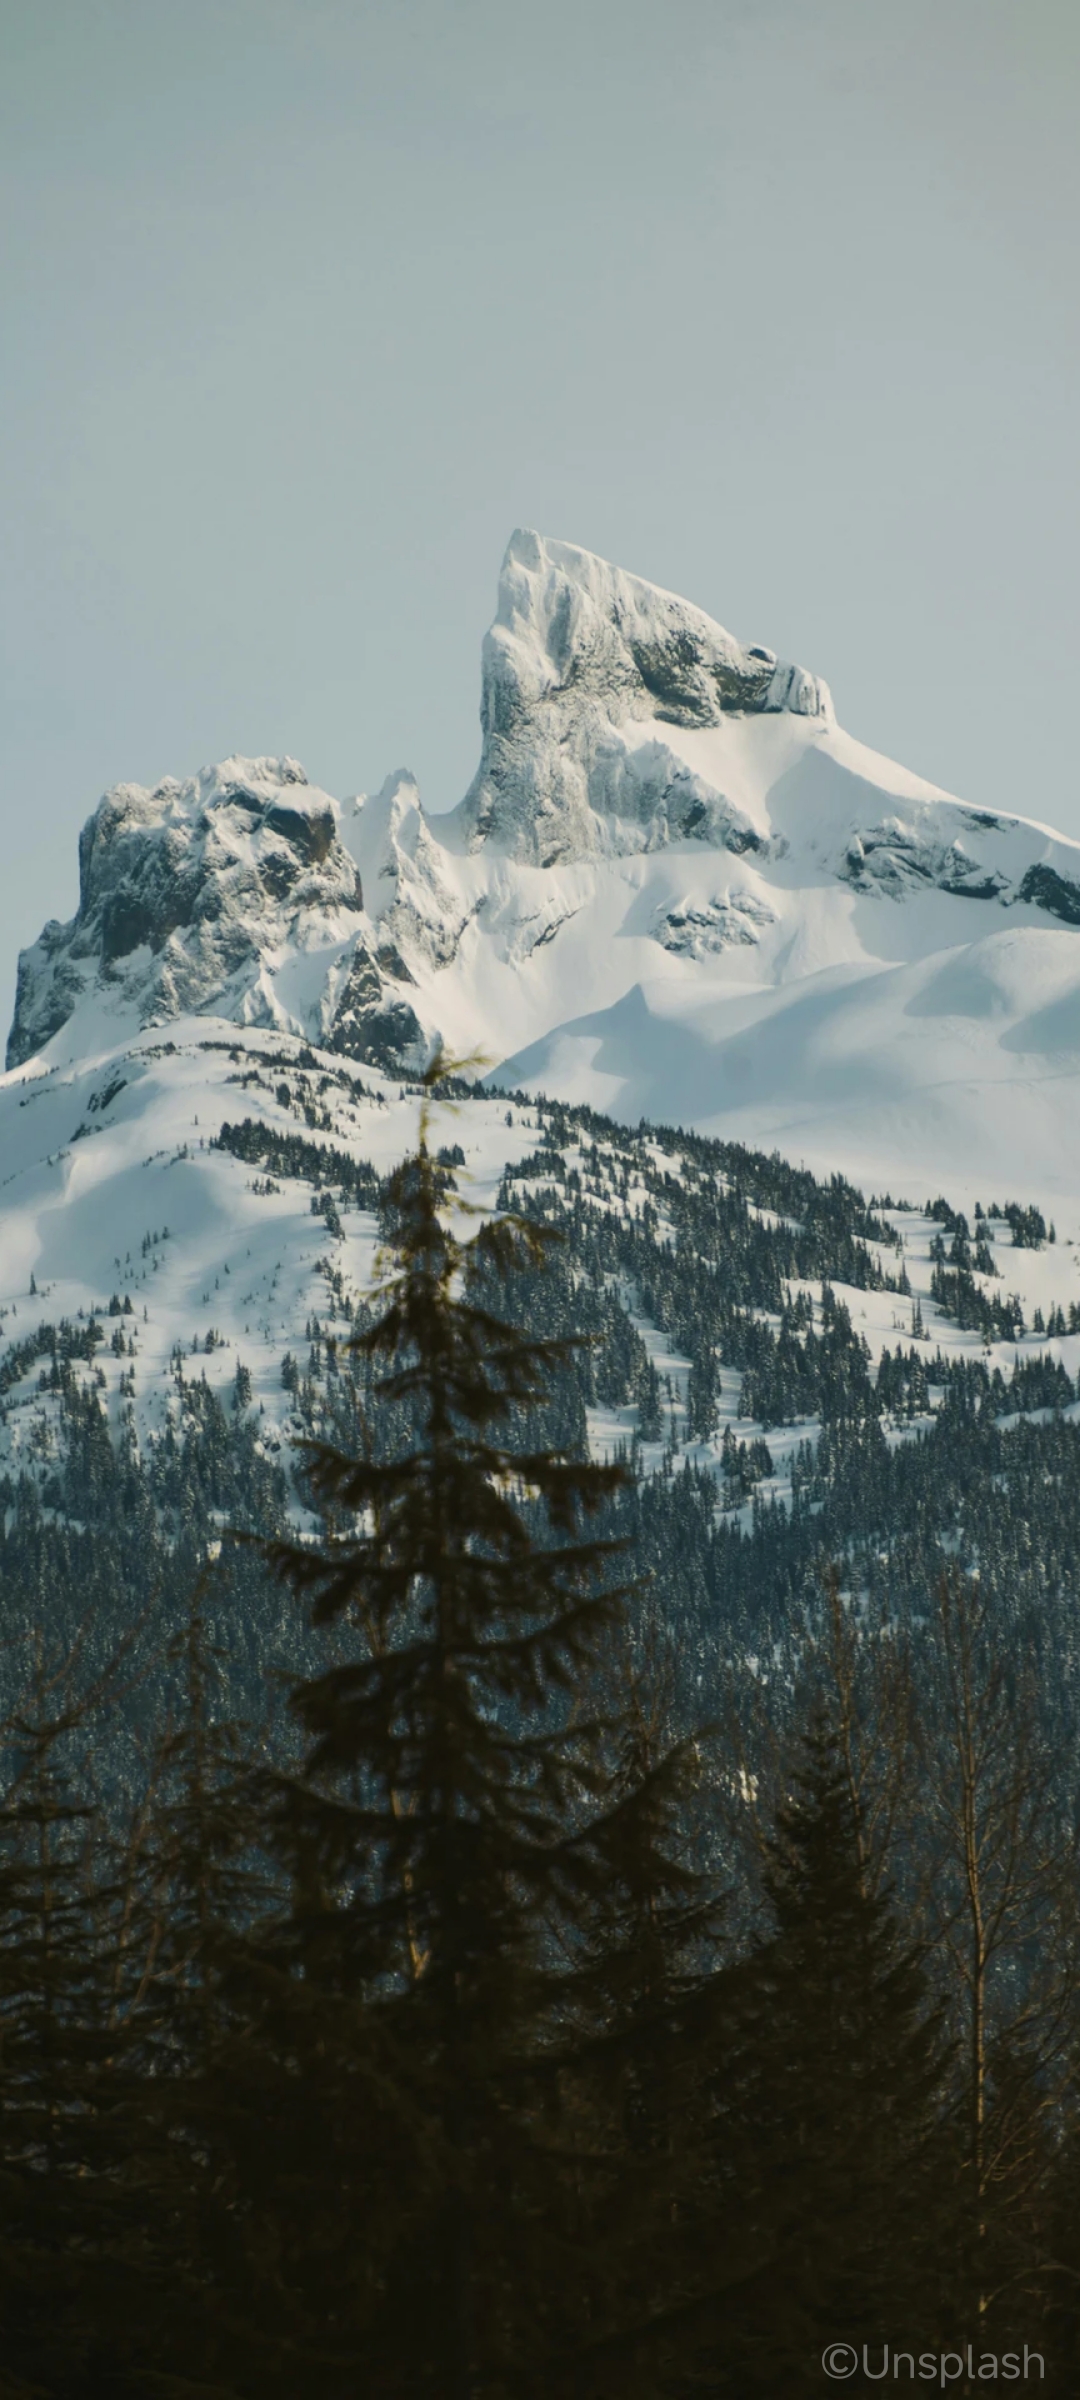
pixel 676 889
pixel 581 657
pixel 182 891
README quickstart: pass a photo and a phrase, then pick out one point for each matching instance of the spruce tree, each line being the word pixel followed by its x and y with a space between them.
pixel 999 1869
pixel 76 2254
pixel 833 2172
pixel 200 1884
pixel 635 2066
pixel 442 1838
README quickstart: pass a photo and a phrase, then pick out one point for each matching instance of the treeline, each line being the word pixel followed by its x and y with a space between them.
pixel 705 1253
pixel 292 1154
pixel 483 2025
pixel 99 1533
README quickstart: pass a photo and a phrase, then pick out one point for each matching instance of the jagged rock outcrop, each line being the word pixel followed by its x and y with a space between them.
pixel 890 857
pixel 412 891
pixel 703 929
pixel 580 661
pixel 190 895
pixel 1058 894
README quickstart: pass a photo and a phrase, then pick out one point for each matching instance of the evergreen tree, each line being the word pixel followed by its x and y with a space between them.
pixel 702 1395
pixel 832 2172
pixel 441 1839
pixel 77 2256
pixel 635 2065
pixel 1002 1881
pixel 199 1885
pixel 650 1420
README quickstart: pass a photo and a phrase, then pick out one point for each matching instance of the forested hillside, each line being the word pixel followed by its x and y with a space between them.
pixel 720 1301
pixel 460 1939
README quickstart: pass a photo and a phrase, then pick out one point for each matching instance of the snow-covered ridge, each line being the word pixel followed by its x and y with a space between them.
pixel 581 663
pixel 676 888
pixel 128 1205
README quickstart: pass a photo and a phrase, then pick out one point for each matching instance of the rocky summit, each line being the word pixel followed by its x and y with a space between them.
pixel 675 888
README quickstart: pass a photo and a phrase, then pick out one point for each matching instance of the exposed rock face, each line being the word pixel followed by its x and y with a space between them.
pixel 703 929
pixel 892 858
pixel 364 1018
pixel 186 893
pixel 579 657
pixel 1047 889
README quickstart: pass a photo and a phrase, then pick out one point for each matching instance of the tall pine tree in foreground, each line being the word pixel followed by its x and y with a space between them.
pixel 444 1838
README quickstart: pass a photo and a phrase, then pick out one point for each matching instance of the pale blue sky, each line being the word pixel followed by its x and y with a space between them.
pixel 306 303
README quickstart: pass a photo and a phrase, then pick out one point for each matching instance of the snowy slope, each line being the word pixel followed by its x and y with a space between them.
pixel 115 1207
pixel 119 1209
pixel 676 888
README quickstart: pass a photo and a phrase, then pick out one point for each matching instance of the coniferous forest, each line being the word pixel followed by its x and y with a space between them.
pixel 499 1983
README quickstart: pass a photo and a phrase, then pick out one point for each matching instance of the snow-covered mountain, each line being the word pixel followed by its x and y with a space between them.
pixel 676 889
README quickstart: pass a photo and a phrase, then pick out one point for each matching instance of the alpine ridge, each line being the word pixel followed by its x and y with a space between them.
pixel 676 888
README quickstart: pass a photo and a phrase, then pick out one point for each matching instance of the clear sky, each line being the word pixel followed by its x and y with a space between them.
pixel 306 303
